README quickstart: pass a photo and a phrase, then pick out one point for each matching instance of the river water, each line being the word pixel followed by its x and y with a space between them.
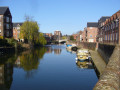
pixel 46 68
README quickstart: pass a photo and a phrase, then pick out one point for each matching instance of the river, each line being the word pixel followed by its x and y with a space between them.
pixel 46 68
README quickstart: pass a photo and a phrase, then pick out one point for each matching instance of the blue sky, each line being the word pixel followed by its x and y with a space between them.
pixel 68 16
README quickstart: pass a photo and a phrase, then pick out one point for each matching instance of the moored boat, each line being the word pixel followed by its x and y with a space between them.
pixel 83 54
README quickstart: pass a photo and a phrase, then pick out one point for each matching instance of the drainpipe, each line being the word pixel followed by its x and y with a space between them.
pixel 119 31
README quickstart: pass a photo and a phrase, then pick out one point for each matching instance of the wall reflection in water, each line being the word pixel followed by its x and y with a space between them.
pixel 6 71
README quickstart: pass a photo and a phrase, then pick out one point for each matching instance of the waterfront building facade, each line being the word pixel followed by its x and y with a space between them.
pixel 92 31
pixel 101 23
pixel 16 31
pixel 79 36
pixel 84 35
pixel 5 23
pixel 57 35
pixel 48 37
pixel 111 32
pixel 75 36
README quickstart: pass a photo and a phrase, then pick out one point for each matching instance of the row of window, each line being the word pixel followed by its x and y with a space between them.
pixel 16 35
pixel 16 27
pixel 112 26
pixel 111 37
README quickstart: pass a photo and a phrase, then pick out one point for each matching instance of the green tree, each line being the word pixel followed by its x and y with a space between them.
pixel 71 37
pixel 30 31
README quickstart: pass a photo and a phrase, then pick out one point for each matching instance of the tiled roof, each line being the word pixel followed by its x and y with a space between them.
pixel 3 10
pixel 103 19
pixel 15 24
pixel 92 24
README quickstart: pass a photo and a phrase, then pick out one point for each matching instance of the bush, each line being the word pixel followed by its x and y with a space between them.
pixel 8 42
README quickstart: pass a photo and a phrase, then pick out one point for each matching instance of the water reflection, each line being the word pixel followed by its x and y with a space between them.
pixel 56 49
pixel 6 71
pixel 70 51
pixel 84 64
pixel 38 69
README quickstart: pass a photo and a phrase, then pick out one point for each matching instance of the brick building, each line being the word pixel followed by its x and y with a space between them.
pixel 101 23
pixel 84 35
pixel 48 36
pixel 79 36
pixel 75 36
pixel 111 32
pixel 5 23
pixel 16 31
pixel 57 35
pixel 92 31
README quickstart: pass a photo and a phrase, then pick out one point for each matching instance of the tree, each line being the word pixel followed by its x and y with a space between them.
pixel 71 37
pixel 30 31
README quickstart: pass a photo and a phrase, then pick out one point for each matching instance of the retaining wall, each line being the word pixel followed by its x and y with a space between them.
pixel 110 79
pixel 105 51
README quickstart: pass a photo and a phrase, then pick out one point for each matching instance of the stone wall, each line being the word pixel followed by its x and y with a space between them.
pixel 105 51
pixel 110 79
pixel 87 45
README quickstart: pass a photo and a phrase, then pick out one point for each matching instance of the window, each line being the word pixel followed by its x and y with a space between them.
pixel 7 26
pixel 7 33
pixel 111 26
pixel 7 19
pixel 18 27
pixel 116 36
pixel 105 28
pixel 117 23
pixel 111 37
pixel 18 36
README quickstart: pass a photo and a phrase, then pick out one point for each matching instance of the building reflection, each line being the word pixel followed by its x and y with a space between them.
pixel 84 64
pixel 57 51
pixel 6 76
pixel 49 50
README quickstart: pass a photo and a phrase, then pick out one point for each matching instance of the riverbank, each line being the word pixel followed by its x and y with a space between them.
pixel 110 79
pixel 106 59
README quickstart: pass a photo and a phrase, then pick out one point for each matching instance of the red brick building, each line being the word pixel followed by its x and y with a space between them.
pixel 75 36
pixel 84 35
pixel 16 31
pixel 111 32
pixel 48 36
pixel 92 31
pixel 101 23
pixel 57 35
pixel 79 36
pixel 5 23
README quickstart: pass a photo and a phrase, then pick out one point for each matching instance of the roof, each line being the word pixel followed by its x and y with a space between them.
pixel 103 19
pixel 92 24
pixel 15 24
pixel 3 10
